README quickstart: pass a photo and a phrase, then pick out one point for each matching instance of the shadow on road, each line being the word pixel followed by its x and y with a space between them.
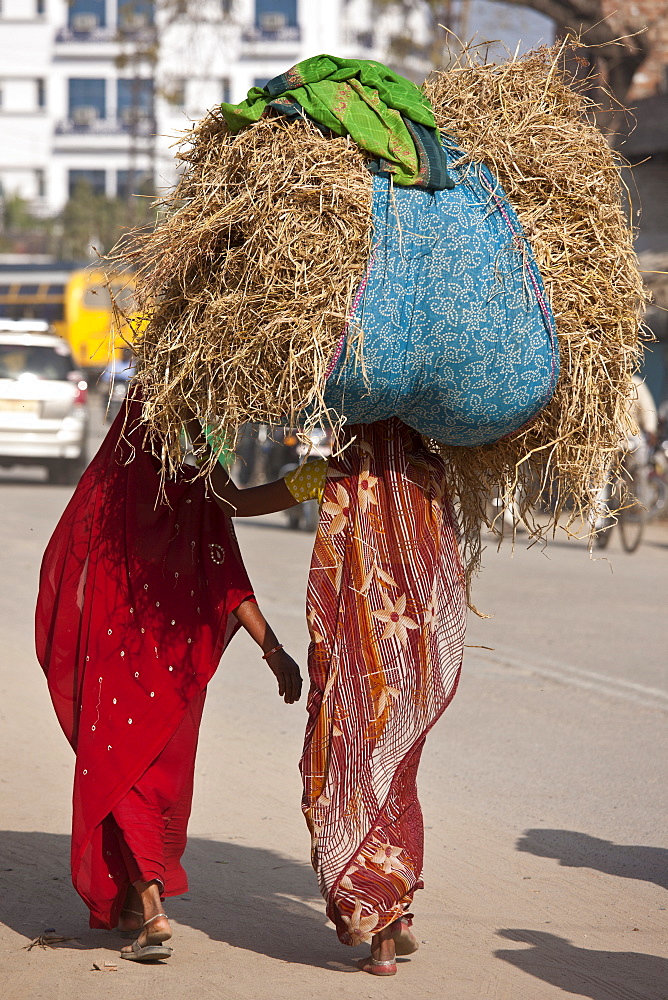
pixel 600 975
pixel 579 850
pixel 248 897
pixel 24 479
pixel 257 522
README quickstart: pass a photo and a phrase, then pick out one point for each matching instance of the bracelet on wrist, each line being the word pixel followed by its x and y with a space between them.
pixel 265 656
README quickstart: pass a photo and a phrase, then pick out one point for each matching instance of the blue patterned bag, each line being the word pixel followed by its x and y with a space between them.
pixel 458 339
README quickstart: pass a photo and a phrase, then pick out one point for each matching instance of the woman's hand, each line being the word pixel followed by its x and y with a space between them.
pixel 286 672
pixel 281 665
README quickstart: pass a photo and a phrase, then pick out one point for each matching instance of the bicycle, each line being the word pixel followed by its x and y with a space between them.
pixel 657 481
pixel 626 492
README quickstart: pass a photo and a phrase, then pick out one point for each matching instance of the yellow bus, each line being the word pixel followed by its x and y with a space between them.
pixel 75 301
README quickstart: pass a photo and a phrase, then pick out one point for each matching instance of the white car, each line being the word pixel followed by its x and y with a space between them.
pixel 43 402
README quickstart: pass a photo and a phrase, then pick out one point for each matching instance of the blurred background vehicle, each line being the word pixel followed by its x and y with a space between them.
pixel 114 382
pixel 265 453
pixel 76 302
pixel 305 447
pixel 43 402
pixel 657 480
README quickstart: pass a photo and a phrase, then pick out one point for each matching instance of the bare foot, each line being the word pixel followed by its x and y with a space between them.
pixel 404 940
pixel 157 927
pixel 382 960
pixel 132 914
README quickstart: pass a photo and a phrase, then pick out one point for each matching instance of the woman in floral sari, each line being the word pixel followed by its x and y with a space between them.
pixel 386 612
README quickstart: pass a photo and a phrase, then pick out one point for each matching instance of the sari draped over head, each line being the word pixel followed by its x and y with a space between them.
pixel 137 589
pixel 386 612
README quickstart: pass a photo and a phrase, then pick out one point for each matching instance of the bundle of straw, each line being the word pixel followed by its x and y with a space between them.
pixel 245 285
pixel 244 288
pixel 536 133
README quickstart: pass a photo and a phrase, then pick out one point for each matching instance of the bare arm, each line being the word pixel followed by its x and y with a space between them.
pixel 266 499
pixel 279 662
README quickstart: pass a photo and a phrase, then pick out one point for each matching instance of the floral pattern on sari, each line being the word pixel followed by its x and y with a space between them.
pixel 386 612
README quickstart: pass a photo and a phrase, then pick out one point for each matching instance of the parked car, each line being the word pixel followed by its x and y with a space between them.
pixel 43 402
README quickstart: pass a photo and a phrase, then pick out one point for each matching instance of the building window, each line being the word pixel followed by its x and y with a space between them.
pixel 134 100
pixel 40 183
pixel 87 101
pixel 225 90
pixel 84 16
pixel 132 182
pixel 275 15
pixel 87 180
pixel 133 15
pixel 41 92
pixel 40 8
pixel 174 92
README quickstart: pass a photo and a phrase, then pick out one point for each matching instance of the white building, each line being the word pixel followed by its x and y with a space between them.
pixel 97 90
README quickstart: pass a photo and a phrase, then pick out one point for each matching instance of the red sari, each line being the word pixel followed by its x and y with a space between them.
pixel 137 590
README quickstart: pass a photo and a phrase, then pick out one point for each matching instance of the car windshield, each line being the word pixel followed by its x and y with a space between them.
pixel 18 361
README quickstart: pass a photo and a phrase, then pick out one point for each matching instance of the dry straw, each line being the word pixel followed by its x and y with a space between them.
pixel 246 282
pixel 536 133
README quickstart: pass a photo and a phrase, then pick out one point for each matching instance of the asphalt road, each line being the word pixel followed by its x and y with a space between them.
pixel 544 791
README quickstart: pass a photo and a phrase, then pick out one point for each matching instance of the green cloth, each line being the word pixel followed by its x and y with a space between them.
pixel 218 442
pixel 356 97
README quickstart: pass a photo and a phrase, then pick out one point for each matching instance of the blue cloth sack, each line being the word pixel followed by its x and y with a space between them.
pixel 459 341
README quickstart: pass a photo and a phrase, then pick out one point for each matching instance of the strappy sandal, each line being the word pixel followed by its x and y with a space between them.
pixel 376 967
pixel 405 942
pixel 153 950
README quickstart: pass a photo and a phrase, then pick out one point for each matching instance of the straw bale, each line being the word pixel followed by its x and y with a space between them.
pixel 531 127
pixel 243 288
pixel 246 282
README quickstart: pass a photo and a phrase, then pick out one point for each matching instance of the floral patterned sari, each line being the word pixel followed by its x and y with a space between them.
pixel 386 612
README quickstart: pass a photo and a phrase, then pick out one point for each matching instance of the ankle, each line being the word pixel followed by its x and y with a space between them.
pixel 382 945
pixel 149 894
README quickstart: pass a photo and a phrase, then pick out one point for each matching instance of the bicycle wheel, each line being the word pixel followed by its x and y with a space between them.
pixel 603 536
pixel 657 494
pixel 631 517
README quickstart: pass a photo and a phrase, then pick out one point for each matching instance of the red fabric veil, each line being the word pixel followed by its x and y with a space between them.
pixel 136 592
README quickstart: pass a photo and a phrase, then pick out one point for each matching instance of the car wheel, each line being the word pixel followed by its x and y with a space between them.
pixel 54 473
pixel 66 471
pixel 72 471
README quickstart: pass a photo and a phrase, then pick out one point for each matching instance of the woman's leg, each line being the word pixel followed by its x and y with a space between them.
pixel 152 828
pixel 156 929
pixel 382 960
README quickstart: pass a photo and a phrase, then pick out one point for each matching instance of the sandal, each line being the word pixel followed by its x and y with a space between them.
pixel 376 967
pixel 154 949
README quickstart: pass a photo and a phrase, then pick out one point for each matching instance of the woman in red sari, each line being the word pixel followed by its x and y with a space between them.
pixel 142 587
pixel 386 611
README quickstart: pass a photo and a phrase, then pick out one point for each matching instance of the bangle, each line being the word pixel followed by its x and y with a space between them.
pixel 265 656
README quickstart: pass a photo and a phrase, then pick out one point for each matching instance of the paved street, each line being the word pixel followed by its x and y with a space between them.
pixel 544 790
